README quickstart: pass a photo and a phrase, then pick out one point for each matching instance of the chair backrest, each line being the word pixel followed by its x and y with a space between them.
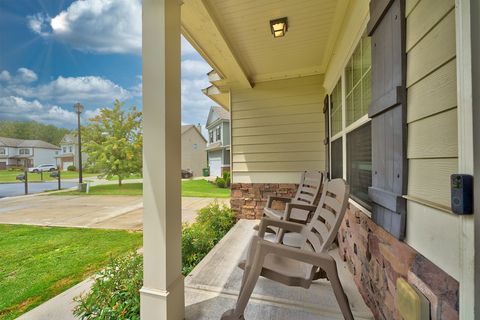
pixel 321 231
pixel 308 191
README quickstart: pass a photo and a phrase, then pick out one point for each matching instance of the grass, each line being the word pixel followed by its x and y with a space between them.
pixel 37 263
pixel 190 188
pixel 9 176
pixel 127 189
pixel 204 189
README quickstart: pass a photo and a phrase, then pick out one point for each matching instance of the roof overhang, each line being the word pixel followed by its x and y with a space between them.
pixel 221 98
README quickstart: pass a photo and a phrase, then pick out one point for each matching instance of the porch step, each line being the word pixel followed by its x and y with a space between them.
pixel 212 287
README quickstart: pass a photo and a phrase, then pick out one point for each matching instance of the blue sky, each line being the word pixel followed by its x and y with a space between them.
pixel 54 53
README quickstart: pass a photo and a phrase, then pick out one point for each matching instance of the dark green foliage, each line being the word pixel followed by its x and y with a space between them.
pixel 71 168
pixel 115 293
pixel 32 130
pixel 198 238
pixel 224 181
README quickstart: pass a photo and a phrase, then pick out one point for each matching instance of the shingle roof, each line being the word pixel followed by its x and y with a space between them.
pixel 20 143
pixel 221 112
pixel 69 138
pixel 187 127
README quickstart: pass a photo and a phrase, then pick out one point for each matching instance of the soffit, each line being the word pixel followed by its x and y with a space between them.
pixel 244 27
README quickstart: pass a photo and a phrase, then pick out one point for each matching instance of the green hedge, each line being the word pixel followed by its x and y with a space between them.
pixel 115 293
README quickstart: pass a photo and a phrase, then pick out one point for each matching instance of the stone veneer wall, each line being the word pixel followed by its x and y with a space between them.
pixel 249 199
pixel 375 258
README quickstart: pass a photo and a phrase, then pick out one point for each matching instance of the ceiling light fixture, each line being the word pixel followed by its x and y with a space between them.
pixel 279 27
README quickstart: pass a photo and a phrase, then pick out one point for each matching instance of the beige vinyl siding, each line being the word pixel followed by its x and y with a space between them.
pixel 432 148
pixel 277 130
pixel 432 113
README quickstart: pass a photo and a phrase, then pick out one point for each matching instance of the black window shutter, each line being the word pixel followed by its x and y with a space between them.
pixel 326 141
pixel 388 112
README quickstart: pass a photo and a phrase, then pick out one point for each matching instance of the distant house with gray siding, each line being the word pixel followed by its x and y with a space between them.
pixel 218 146
pixel 26 153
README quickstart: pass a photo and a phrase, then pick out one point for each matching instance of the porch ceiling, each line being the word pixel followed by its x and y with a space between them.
pixel 235 37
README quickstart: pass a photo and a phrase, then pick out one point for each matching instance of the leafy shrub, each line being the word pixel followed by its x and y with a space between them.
pixel 71 168
pixel 220 182
pixel 115 293
pixel 226 177
pixel 198 238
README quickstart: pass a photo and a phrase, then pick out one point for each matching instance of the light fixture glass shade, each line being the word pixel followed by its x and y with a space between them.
pixel 78 108
pixel 279 27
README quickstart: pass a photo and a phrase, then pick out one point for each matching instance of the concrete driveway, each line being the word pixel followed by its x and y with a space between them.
pixel 18 188
pixel 105 212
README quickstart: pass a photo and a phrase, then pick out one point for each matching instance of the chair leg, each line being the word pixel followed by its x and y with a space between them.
pixel 340 294
pixel 249 280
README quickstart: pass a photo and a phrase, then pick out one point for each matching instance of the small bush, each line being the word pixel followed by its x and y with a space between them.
pixel 226 177
pixel 115 293
pixel 211 224
pixel 71 168
pixel 220 182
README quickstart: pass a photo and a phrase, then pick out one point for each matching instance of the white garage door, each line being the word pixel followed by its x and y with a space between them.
pixel 215 167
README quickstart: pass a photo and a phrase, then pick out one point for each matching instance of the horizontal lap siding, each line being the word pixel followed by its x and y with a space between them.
pixel 432 99
pixel 277 130
pixel 432 148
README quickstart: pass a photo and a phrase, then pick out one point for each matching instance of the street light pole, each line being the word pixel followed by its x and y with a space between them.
pixel 79 109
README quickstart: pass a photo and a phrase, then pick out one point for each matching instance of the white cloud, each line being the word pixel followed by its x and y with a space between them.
pixel 5 76
pixel 19 109
pixel 102 26
pixel 196 69
pixel 64 89
pixel 25 75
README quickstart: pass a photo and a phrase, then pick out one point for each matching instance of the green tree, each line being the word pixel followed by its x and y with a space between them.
pixel 113 141
pixel 32 130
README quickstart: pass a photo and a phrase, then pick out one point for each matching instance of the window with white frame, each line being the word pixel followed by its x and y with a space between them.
pixel 210 138
pixel 350 131
pixel 70 148
pixel 218 134
pixel 2 151
pixel 24 151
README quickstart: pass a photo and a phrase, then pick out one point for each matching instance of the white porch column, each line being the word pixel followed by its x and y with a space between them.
pixel 162 294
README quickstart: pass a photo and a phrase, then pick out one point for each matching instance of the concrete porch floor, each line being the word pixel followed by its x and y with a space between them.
pixel 212 287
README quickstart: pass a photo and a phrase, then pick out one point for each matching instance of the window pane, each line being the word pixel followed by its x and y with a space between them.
pixel 357 103
pixel 337 108
pixel 357 64
pixel 366 92
pixel 350 109
pixel 366 54
pixel 359 163
pixel 348 76
pixel 337 159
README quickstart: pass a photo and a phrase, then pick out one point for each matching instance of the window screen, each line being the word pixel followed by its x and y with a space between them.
pixel 359 163
pixel 337 159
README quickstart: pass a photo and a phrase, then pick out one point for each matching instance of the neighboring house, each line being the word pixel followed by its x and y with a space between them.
pixel 26 153
pixel 68 155
pixel 218 147
pixel 193 149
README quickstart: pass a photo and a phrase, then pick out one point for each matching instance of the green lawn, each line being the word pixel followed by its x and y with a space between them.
pixel 203 188
pixel 190 188
pixel 9 176
pixel 37 263
pixel 127 189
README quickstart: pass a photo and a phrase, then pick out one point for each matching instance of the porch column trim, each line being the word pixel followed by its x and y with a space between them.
pixel 162 295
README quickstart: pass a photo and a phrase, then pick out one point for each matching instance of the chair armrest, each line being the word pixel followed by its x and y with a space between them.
pixel 322 260
pixel 286 225
pixel 274 198
pixel 290 206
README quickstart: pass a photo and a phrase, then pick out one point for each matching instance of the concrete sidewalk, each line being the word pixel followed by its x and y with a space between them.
pixel 212 288
pixel 105 212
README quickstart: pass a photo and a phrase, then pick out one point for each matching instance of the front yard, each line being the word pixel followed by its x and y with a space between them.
pixel 10 176
pixel 37 263
pixel 190 188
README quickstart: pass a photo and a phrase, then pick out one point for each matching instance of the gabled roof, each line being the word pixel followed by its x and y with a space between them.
pixel 217 113
pixel 69 138
pixel 20 143
pixel 187 127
